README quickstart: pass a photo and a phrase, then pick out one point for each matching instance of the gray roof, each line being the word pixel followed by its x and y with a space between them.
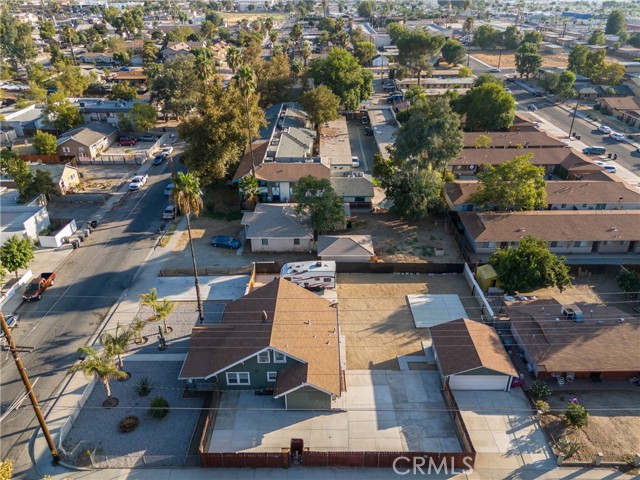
pixel 339 245
pixel 88 134
pixel 55 170
pixel 270 220
pixel 352 186
pixel 296 143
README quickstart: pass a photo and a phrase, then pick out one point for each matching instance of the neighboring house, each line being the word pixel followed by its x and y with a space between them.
pixel 437 83
pixel 355 189
pixel 277 228
pixel 591 341
pixel 587 92
pixel 137 46
pixel 64 176
pixel 134 77
pixel 7 134
pixel 574 232
pixel 103 110
pixel 470 356
pixel 380 61
pixel 87 141
pixel 345 248
pixel 280 337
pixel 23 221
pixel 96 58
pixel 626 109
pixel 180 49
pixel 561 195
pixel 26 120
pixel 335 149
pixel 520 140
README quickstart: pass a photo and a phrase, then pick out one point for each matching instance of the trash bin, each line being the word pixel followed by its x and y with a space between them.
pixel 75 244
pixel 94 224
pixel 578 137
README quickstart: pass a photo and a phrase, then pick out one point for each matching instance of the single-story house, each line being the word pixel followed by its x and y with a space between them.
pixel 7 134
pixel 280 337
pixel 133 77
pixel 87 141
pixel 593 341
pixel 470 356
pixel 26 120
pixel 345 248
pixel 354 188
pixel 96 58
pixel 23 221
pixel 277 228
pixel 64 176
pixel 626 109
pixel 520 140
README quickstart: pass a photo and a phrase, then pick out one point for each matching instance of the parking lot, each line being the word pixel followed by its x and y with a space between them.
pixel 380 411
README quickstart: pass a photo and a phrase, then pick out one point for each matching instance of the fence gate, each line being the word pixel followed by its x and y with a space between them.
pixel 297 447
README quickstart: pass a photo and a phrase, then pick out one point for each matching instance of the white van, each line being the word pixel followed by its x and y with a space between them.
pixel 312 275
pixel 169 213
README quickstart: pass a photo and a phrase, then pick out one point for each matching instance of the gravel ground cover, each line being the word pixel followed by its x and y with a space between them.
pixel 96 441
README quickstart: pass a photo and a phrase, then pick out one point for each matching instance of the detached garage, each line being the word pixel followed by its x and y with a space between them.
pixel 470 356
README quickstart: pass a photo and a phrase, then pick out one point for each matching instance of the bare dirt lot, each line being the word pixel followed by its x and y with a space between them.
pixel 104 178
pixel 396 240
pixel 507 60
pixel 234 18
pixel 377 322
pixel 613 429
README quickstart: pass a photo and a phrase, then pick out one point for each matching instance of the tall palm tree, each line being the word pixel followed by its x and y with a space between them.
pixel 249 187
pixel 165 309
pixel 246 81
pixel 187 195
pixel 117 344
pixel 68 33
pixel 100 366
pixel 305 52
pixel 150 299
pixel 268 25
pixel 233 58
pixel 203 64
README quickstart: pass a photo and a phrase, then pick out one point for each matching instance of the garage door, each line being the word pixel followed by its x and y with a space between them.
pixel 478 382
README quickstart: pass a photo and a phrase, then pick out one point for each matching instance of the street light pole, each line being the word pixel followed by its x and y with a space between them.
pixel 575 110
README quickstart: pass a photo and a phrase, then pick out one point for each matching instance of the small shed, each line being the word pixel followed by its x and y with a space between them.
pixel 345 248
pixel 486 277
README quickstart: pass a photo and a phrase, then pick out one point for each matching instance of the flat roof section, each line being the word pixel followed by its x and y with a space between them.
pixel 431 310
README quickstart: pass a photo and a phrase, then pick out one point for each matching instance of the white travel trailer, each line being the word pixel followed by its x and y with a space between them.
pixel 314 275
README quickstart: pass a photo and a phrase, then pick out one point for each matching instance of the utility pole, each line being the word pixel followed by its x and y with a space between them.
pixel 575 110
pixel 27 385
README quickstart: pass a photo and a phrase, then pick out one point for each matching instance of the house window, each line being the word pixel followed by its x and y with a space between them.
pixel 81 149
pixel 327 279
pixel 279 357
pixel 577 244
pixel 66 150
pixel 623 242
pixel 238 378
pixel 296 241
pixel 564 205
pixel 271 376
pixel 263 357
pixel 484 244
pixel 606 242
pixel 553 244
pixel 72 176
pixel 265 241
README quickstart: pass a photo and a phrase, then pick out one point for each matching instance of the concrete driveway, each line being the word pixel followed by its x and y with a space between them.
pixel 502 423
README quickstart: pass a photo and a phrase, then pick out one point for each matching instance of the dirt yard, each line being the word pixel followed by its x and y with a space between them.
pixel 377 322
pixel 508 58
pixel 613 429
pixel 396 240
pixel 234 18
pixel 104 178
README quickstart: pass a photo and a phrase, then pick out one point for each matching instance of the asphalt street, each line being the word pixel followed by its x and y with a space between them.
pixel 88 284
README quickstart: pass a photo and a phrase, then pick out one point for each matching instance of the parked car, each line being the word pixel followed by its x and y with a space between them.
pixel 604 129
pixel 594 150
pixel 395 98
pixel 511 79
pixel 167 150
pixel 169 213
pixel 368 131
pixel 532 108
pixel 389 88
pixel 12 321
pixel 168 189
pixel 138 182
pixel 494 70
pixel 538 93
pixel 126 141
pixel 224 241
pixel 147 138
pixel 355 162
pixel 161 157
pixel 606 167
pixel 38 285
pixel 618 137
pixel 365 119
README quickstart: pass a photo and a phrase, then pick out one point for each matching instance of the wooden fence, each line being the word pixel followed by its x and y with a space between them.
pixel 48 159
pixel 461 428
pixel 365 267
pixel 244 460
pixel 401 460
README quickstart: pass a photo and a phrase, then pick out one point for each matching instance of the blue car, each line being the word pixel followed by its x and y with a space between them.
pixel 159 159
pixel 224 241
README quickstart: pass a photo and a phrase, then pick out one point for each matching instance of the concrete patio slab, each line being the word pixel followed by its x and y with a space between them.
pixel 431 310
pixel 219 288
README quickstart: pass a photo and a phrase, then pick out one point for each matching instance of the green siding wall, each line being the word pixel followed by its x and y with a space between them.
pixel 309 398
pixel 257 373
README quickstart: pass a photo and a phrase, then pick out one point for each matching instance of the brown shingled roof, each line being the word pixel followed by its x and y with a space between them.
pixel 513 139
pixel 540 156
pixel 463 345
pixel 300 324
pixel 259 152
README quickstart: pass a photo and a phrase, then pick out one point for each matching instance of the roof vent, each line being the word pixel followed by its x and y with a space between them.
pixel 612 229
pixel 521 229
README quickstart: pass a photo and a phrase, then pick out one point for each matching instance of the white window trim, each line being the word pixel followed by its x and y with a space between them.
pixel 270 375
pixel 236 376
pixel 268 360
pixel 275 357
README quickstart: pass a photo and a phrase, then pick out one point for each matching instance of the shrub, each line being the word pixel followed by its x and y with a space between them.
pixel 542 406
pixel 143 386
pixel 129 423
pixel 576 415
pixel 159 407
pixel 540 390
pixel 568 447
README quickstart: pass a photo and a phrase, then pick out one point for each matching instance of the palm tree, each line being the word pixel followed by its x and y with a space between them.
pixel 100 366
pixel 249 187
pixel 305 52
pixel 325 5
pixel 68 33
pixel 187 195
pixel 247 84
pixel 233 58
pixel 136 327
pixel 467 27
pixel 273 37
pixel 203 64
pixel 117 344
pixel 268 25
pixel 150 299
pixel 165 309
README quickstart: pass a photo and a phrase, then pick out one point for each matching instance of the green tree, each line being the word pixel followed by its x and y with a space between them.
pixel 454 52
pixel 141 117
pixel 40 182
pixel 597 37
pixel 527 59
pixel 100 366
pixel 176 88
pixel 578 59
pixel 366 8
pixel 164 310
pixel 467 26
pixel 47 29
pixel 383 170
pixel 543 268
pixel 486 37
pixel 16 253
pixel 629 282
pixel 61 114
pixel 150 299
pixel 532 37
pixel 432 135
pixel 634 40
pixel 616 23
pixel 71 81
pixel 341 72
pixel 511 38
pixel 233 58
pixel 187 195
pixel 515 184
pixel 321 104
pixel 149 52
pixel 123 91
pixel 11 164
pixel 305 52
pixel 418 48
pixel 488 107
pixel 273 80
pixel 318 199
pixel 364 52
pixel 45 143
pixel 464 72
pixel 564 88
pixel 116 344
pixel 594 64
pixel 576 415
pixel 611 73
pixel 15 37
pixel 204 63
pixel 415 192
pixel 549 81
